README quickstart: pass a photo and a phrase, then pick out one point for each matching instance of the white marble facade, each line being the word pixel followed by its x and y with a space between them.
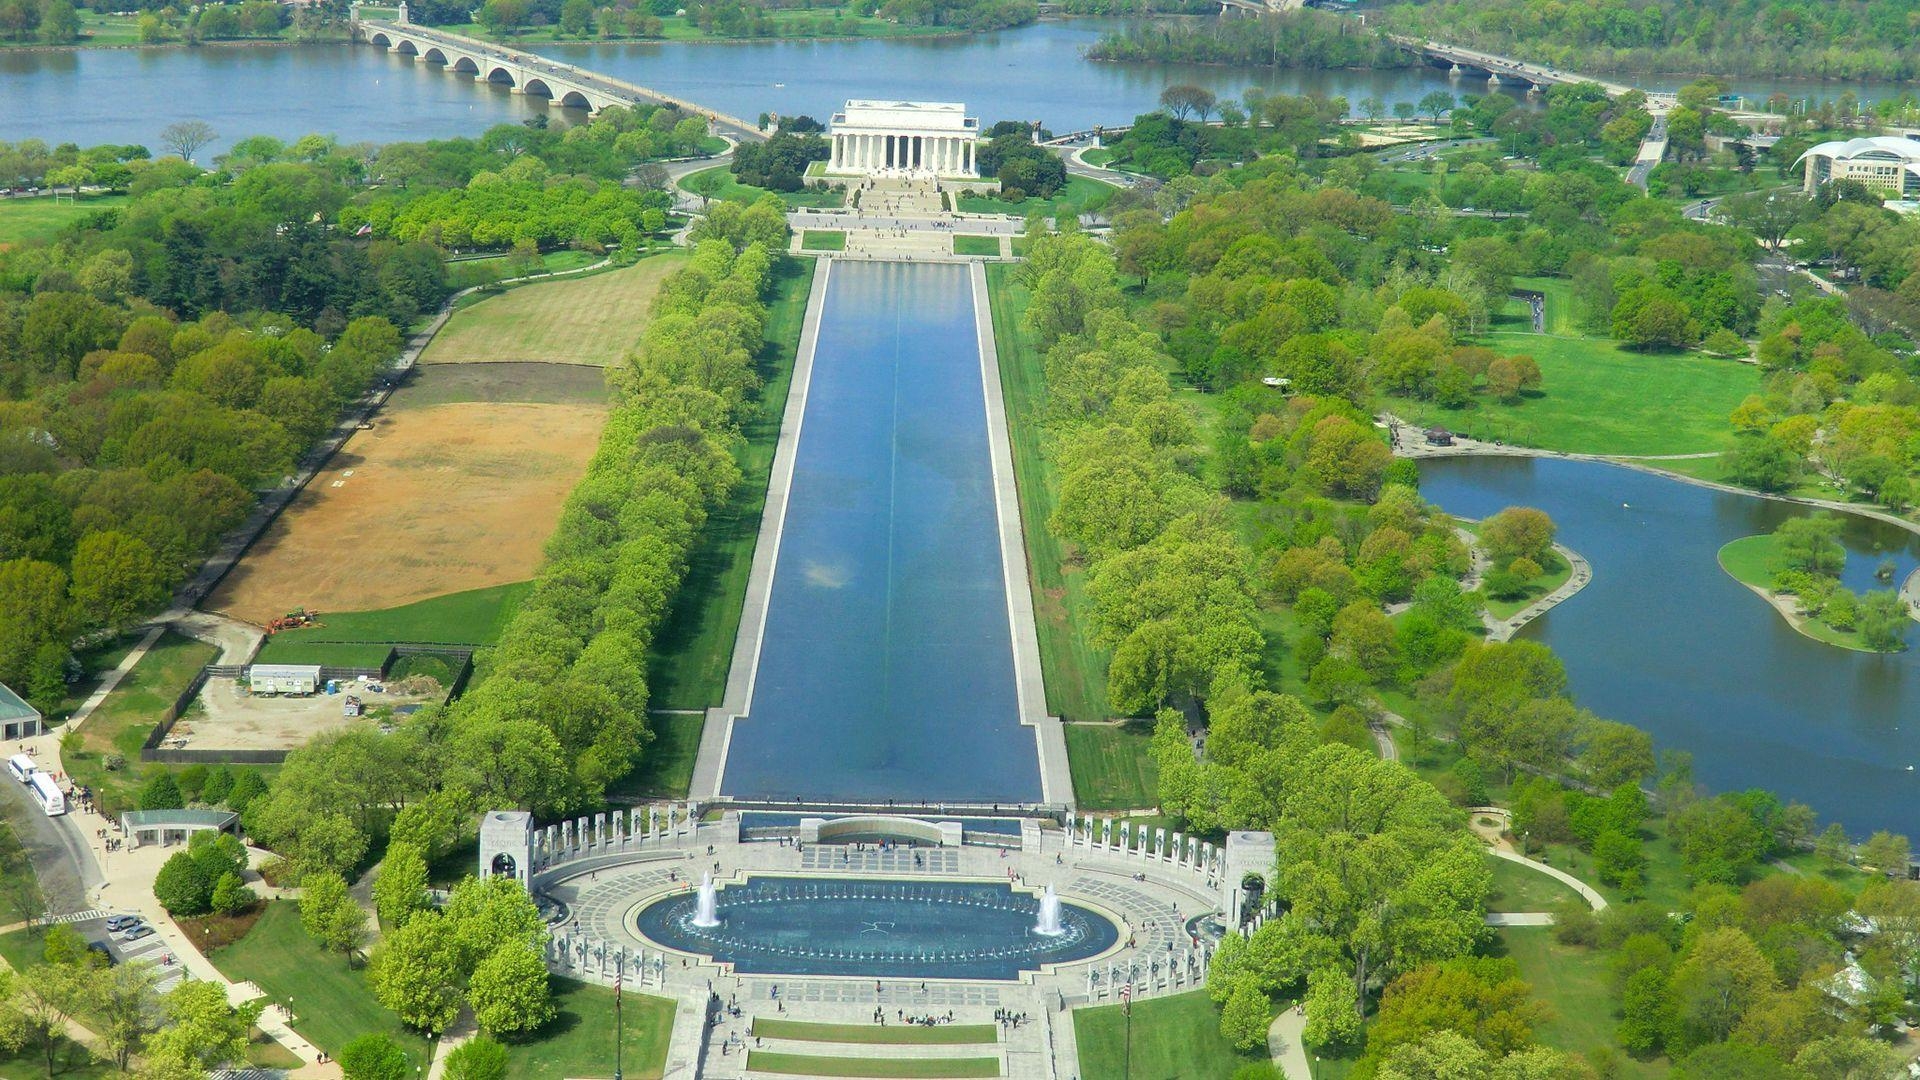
pixel 904 138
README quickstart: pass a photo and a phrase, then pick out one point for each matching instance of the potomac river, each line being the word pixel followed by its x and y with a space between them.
pixel 360 93
pixel 1666 640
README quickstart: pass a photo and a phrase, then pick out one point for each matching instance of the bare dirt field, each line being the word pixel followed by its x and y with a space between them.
pixel 230 720
pixel 432 500
pixel 594 319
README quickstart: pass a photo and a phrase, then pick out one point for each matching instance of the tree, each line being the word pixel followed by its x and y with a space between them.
pixel 1435 102
pixel 374 1057
pixel 401 888
pixel 479 1058
pixel 46 997
pixel 182 886
pixel 161 792
pixel 1518 532
pixel 59 22
pixel 1764 463
pixel 202 1032
pixel 1833 846
pixel 126 1008
pixel 1886 852
pixel 329 913
pixel 1616 754
pixel 1482 999
pixel 1246 1015
pixel 231 896
pixel 509 991
pixel 186 137
pixel 116 577
pixel 415 971
pixel 1645 1011
pixel 1722 977
pixel 1811 544
pixel 64 945
pixel 1182 99
pixel 576 17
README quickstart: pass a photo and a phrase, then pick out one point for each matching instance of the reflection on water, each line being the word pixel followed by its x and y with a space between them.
pixel 1666 640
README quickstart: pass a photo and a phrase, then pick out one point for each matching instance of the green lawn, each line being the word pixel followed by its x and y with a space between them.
pixel 666 765
pixel 892 1068
pixel 1174 1038
pixel 1080 196
pixel 1520 888
pixel 1597 398
pixel 731 190
pixel 976 245
pixel 331 1001
pixel 1558 315
pixel 579 1041
pixel 71 1061
pixel 121 724
pixel 824 240
pixel 943 1034
pixel 362 638
pixel 1074 670
pixel 1110 766
pixel 41 217
pixel 462 273
pixel 692 652
pixel 1575 984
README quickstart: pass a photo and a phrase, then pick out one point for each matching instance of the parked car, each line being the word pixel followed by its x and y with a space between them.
pixel 103 949
pixel 138 932
pixel 117 923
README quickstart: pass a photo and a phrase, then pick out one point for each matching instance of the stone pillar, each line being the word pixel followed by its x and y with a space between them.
pixel 507 843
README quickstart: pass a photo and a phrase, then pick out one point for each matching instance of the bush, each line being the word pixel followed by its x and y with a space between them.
pixel 182 887
pixel 479 1058
pixel 373 1057
pixel 231 896
pixel 1505 585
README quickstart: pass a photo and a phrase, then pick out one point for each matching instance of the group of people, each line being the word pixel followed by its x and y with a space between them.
pixel 1008 1018
pixel 919 1019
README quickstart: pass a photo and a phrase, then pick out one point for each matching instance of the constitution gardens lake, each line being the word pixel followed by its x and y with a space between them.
pixel 1664 639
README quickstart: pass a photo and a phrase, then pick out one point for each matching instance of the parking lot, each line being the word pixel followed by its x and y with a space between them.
pixel 147 949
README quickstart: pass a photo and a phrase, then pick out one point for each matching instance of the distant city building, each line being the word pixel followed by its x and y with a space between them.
pixel 18 720
pixel 1887 163
pixel 904 138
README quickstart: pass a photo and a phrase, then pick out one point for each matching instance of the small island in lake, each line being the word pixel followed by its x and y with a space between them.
pixel 1796 568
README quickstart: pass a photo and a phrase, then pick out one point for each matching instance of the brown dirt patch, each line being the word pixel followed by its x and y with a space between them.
pixel 431 501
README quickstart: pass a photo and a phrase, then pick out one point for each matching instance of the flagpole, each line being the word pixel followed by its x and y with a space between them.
pixel 619 1026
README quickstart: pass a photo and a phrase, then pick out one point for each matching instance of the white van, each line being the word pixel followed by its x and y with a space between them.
pixel 48 794
pixel 21 766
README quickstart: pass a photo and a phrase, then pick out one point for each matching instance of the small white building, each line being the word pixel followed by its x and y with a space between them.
pixel 18 720
pixel 921 139
pixel 283 678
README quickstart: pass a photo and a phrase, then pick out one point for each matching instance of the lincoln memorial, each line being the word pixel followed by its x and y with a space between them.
pixel 904 138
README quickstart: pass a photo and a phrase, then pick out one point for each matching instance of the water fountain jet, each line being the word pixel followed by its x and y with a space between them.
pixel 1048 924
pixel 706 914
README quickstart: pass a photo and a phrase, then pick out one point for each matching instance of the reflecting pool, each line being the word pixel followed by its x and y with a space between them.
pixel 878 928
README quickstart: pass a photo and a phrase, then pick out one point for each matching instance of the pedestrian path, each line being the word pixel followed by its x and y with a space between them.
pixel 1286 1047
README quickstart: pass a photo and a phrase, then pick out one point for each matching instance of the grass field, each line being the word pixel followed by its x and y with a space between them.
pixel 330 1001
pixel 1174 1038
pixel 122 721
pixel 824 240
pixel 1080 196
pixel 42 216
pixel 976 245
pixel 1575 984
pixel 525 384
pixel 579 1041
pixel 1597 398
pixel 902 1034
pixel 594 319
pixel 666 765
pixel 463 273
pixel 693 650
pixel 1075 672
pixel 893 1068
pixel 1520 888
pixel 731 190
pixel 1110 766
pixel 474 617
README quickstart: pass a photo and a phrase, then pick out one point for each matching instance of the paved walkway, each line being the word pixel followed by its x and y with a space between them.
pixel 1285 1046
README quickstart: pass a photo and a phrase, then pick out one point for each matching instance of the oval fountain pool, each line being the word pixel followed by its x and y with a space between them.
pixel 877 928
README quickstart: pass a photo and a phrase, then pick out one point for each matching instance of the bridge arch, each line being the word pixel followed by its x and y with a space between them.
pixel 465 64
pixel 381 40
pixel 433 55
pixel 537 88
pixel 501 75
pixel 406 47
pixel 574 99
